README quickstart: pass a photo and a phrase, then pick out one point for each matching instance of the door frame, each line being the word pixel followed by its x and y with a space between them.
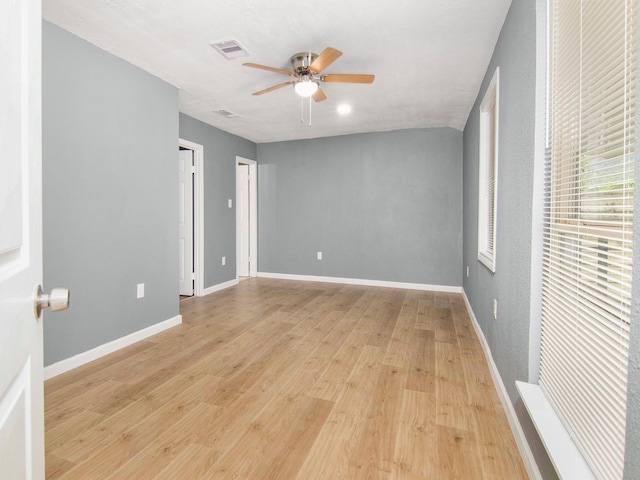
pixel 253 214
pixel 198 214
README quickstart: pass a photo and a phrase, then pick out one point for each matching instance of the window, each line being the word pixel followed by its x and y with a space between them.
pixel 588 225
pixel 488 174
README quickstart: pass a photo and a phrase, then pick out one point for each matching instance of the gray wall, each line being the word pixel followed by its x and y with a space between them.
pixel 220 150
pixel 514 336
pixel 508 336
pixel 380 206
pixel 110 190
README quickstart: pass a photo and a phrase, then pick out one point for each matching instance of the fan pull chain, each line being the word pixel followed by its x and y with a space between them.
pixel 302 110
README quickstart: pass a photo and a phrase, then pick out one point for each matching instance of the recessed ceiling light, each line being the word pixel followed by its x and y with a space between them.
pixel 344 109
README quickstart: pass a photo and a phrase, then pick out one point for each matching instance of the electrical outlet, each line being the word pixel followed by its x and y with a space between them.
pixel 224 261
pixel 467 271
pixel 140 290
pixel 495 309
pixel 319 255
pixel 230 203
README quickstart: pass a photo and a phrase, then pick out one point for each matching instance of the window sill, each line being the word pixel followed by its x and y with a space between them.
pixel 565 456
pixel 487 261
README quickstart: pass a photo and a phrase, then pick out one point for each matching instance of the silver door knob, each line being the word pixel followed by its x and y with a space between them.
pixel 57 300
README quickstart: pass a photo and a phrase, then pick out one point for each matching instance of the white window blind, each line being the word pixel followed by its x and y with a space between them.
pixel 488 174
pixel 589 224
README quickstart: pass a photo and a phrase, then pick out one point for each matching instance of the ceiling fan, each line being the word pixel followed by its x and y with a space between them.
pixel 306 73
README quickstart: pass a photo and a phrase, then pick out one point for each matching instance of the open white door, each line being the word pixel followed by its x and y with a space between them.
pixel 21 387
pixel 242 220
pixel 185 239
pixel 246 217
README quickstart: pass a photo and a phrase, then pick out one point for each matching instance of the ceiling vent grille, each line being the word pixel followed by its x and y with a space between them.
pixel 230 49
pixel 226 113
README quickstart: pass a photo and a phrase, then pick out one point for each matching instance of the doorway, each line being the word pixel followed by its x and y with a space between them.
pixel 246 218
pixel 190 223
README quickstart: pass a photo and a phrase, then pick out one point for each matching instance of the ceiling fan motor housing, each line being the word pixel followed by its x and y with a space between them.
pixel 300 62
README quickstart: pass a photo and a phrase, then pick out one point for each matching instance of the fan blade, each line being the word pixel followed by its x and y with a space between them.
pixel 271 69
pixel 326 58
pixel 348 78
pixel 319 96
pixel 275 87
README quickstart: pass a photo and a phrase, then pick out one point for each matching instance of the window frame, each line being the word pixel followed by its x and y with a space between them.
pixel 488 173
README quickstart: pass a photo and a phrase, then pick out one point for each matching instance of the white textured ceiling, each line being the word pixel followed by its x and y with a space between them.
pixel 429 57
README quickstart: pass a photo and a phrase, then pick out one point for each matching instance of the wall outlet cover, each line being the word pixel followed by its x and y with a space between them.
pixel 140 290
pixel 319 255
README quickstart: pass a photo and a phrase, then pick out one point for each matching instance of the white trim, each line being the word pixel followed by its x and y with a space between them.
pixel 253 213
pixel 198 213
pixel 218 287
pixel 105 349
pixel 565 456
pixel 537 199
pixel 525 451
pixel 360 281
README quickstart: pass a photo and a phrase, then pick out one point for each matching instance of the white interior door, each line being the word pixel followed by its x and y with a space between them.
pixel 21 387
pixel 242 220
pixel 185 187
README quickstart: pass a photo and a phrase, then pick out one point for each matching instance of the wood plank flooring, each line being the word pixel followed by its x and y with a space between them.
pixel 276 379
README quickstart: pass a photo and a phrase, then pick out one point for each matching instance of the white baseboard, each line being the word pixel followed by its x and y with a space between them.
pixel 80 359
pixel 525 451
pixel 360 281
pixel 218 287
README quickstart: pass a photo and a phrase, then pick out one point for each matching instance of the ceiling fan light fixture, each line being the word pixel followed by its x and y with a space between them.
pixel 306 88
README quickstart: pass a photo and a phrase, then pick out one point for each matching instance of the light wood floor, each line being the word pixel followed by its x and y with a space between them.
pixel 289 380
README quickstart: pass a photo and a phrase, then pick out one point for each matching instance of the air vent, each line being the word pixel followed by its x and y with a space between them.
pixel 226 113
pixel 230 49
